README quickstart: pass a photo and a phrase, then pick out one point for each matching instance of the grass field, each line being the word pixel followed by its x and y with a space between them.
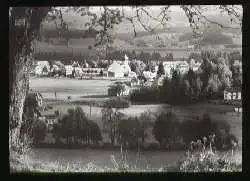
pixel 78 88
pixel 69 87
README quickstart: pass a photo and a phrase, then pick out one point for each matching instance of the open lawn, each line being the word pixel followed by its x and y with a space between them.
pixel 69 87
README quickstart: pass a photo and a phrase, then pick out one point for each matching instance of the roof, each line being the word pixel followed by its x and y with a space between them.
pixel 43 62
pixel 115 67
pixel 233 89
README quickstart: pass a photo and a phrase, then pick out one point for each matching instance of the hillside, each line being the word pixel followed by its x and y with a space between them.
pixel 210 37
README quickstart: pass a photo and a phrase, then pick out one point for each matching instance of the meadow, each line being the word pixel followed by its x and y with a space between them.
pixel 78 88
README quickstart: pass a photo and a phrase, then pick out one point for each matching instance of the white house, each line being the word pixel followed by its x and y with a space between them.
pixel 74 67
pixel 182 66
pixel 93 71
pixel 69 70
pixel 115 70
pixel 42 68
pixel 238 64
pixel 232 94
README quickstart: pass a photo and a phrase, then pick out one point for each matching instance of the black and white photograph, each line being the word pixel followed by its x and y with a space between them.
pixel 142 88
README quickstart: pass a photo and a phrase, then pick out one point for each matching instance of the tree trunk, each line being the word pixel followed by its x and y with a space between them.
pixel 20 52
pixel 17 96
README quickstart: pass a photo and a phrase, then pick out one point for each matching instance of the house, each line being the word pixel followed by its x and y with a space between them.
pixel 92 71
pixel 69 70
pixel 113 90
pixel 182 66
pixel 115 70
pixel 237 66
pixel 74 68
pixel 42 68
pixel 232 94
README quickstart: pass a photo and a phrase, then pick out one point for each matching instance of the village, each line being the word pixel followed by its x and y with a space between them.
pixel 119 73
pixel 122 88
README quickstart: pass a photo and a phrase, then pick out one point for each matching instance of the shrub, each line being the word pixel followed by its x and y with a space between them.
pixel 146 94
pixel 153 146
pixel 165 129
pixel 129 131
pixel 116 103
pixel 197 129
pixel 202 158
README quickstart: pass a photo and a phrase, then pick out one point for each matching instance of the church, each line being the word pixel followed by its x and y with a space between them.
pixel 119 68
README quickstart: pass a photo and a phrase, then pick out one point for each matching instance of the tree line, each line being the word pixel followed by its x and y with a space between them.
pixel 216 74
pixel 130 132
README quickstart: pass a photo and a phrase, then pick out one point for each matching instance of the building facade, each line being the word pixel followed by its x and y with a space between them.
pixel 232 94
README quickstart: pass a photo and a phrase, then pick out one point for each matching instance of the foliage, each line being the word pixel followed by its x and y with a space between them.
pixel 119 88
pixel 111 117
pixel 145 120
pixel 34 130
pixel 146 94
pixel 165 129
pixel 76 128
pixel 39 131
pixel 128 130
pixel 198 128
pixel 201 157
pixel 160 70
pixel 116 103
pixel 132 66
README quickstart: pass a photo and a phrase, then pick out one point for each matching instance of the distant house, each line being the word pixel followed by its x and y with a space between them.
pixel 93 71
pixel 115 70
pixel 232 94
pixel 42 68
pixel 180 65
pixel 74 68
pixel 69 70
pixel 237 66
